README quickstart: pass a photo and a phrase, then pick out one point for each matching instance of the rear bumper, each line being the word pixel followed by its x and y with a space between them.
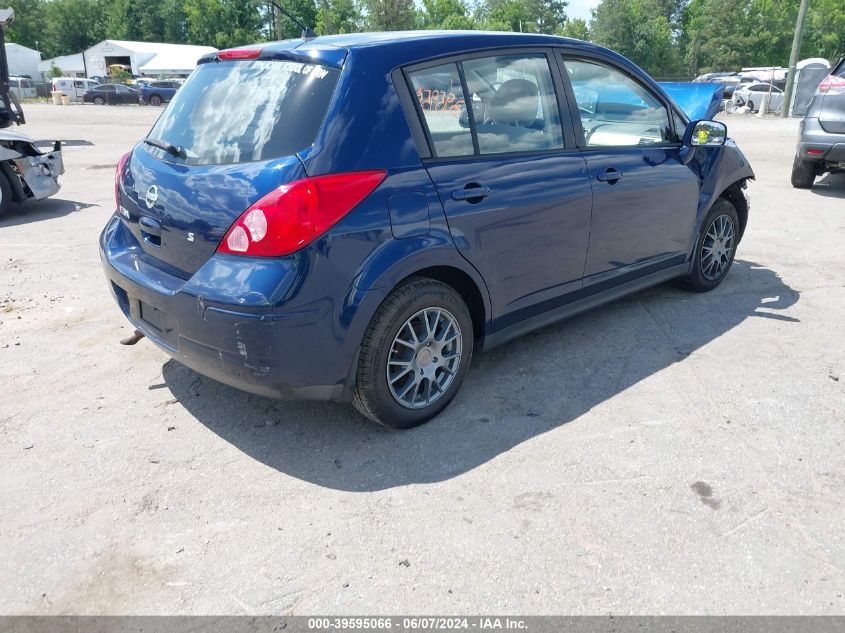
pixel 815 139
pixel 244 340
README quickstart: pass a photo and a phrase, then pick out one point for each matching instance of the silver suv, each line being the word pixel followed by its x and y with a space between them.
pixel 821 144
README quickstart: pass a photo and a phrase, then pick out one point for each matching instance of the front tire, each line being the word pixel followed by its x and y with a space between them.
pixel 803 173
pixel 155 100
pixel 99 101
pixel 5 195
pixel 715 247
pixel 414 355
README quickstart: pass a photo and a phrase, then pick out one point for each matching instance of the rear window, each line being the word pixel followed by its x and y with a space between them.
pixel 238 112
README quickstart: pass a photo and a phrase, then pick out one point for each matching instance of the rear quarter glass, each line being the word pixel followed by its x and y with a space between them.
pixel 244 111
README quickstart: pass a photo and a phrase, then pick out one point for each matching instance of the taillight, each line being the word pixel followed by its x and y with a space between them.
pixel 239 53
pixel 118 174
pixel 831 85
pixel 296 214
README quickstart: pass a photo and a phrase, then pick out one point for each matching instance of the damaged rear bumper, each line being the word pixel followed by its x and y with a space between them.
pixel 31 173
pixel 277 352
pixel 41 172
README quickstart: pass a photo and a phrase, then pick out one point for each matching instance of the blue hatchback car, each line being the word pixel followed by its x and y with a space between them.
pixel 352 217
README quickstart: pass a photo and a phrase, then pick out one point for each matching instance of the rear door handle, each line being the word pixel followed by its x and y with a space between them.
pixel 472 193
pixel 610 176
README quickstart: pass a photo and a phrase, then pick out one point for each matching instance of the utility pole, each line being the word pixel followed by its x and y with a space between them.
pixel 793 57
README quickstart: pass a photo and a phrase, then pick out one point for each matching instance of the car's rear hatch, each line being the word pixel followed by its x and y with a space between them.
pixel 831 97
pixel 230 135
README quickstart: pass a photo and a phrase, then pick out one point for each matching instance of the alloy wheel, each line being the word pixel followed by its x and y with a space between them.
pixel 424 358
pixel 717 247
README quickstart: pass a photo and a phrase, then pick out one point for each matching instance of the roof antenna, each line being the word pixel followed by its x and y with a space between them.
pixel 307 32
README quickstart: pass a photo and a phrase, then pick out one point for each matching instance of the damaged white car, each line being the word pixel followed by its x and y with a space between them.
pixel 25 172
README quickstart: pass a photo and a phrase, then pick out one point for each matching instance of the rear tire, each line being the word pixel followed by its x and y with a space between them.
pixel 715 248
pixel 803 173
pixel 5 195
pixel 414 355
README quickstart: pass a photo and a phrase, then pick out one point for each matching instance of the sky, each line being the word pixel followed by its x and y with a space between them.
pixel 580 9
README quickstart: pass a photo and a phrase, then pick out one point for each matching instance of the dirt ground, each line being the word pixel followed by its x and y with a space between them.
pixel 668 453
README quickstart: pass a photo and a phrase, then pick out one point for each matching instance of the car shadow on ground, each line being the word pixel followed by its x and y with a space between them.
pixel 38 210
pixel 513 393
pixel 831 186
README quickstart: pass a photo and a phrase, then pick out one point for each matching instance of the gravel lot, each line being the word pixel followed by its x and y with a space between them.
pixel 669 453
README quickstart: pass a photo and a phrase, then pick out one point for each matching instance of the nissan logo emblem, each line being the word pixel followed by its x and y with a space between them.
pixel 152 196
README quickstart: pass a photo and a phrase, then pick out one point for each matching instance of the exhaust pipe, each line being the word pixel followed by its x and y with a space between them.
pixel 134 338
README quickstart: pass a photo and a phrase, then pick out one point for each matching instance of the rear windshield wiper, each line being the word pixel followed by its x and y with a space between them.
pixel 175 150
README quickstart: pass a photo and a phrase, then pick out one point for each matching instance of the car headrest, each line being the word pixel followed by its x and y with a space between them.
pixel 515 102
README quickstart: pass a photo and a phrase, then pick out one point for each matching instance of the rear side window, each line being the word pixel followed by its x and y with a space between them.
pixel 514 104
pixel 441 98
pixel 512 101
pixel 238 112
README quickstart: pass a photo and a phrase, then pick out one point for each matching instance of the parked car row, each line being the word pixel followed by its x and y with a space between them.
pixel 152 92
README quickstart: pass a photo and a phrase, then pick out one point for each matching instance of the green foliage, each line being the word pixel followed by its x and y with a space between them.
pixel 725 34
pixel 337 16
pixel 55 71
pixel 526 16
pixel 389 15
pixel 27 27
pixel 577 29
pixel 71 26
pixel 445 14
pixel 639 30
pixel 825 30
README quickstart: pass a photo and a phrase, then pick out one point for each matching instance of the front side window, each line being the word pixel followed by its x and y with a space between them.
pixel 441 98
pixel 615 110
pixel 514 104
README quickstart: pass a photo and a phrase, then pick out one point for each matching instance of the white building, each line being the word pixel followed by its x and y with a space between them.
pixel 144 58
pixel 70 65
pixel 23 60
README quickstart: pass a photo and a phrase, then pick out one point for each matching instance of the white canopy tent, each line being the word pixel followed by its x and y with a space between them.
pixel 70 65
pixel 23 60
pixel 144 58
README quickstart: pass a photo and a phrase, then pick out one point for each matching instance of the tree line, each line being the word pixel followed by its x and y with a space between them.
pixel 669 38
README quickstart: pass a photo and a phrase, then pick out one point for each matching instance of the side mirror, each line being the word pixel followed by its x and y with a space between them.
pixel 705 134
pixel 702 134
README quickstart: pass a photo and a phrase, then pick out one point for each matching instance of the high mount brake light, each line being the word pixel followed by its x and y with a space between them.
pixel 296 214
pixel 118 174
pixel 831 85
pixel 239 53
